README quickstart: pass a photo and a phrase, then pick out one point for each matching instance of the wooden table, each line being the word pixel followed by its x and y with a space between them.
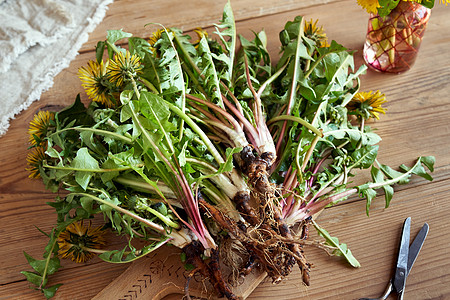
pixel 417 123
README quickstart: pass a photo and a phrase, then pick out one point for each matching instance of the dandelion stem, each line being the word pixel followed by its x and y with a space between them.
pixel 298 120
pixel 97 131
pixel 152 225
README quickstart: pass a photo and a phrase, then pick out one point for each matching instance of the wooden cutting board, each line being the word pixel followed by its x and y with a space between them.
pixel 162 274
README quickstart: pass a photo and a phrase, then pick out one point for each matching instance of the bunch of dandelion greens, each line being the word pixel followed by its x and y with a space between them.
pixel 210 147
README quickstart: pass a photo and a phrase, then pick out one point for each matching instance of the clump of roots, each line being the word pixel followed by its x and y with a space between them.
pixel 264 239
pixel 266 223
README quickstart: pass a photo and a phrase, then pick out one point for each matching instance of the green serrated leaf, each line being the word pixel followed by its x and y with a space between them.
pixel 364 157
pixel 209 72
pixel 370 138
pixel 75 114
pixel 87 137
pixel 228 165
pixel 83 160
pixel 377 174
pixel 99 50
pixel 341 249
pixel 113 36
pixel 31 260
pixel 429 162
pixel 124 256
pixel 153 107
pixel 117 222
pixel 370 194
pixel 50 291
pixel 53 153
pixel 226 31
pixel 43 232
pixel 306 90
pixel 418 170
pixel 109 176
pixel 354 135
pixel 391 174
pixel 34 278
pixel 126 97
pixel 182 155
pixel 378 177
pixel 40 266
pixel 388 193
pixel 108 209
pixel 138 46
pixel 87 204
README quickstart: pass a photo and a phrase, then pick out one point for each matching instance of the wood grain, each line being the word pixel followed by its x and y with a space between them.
pixel 132 16
pixel 417 123
pixel 161 275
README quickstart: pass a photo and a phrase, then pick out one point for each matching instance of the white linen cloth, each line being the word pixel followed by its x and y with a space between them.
pixel 38 39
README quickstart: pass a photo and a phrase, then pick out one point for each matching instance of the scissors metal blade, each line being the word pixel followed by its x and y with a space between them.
pixel 416 245
pixel 399 280
pixel 397 283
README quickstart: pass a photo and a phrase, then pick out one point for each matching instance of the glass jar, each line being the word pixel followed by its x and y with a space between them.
pixel 392 42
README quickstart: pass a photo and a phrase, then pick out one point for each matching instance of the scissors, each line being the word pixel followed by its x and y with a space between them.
pixel 406 257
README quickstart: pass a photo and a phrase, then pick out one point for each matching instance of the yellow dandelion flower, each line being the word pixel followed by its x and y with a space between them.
pixel 155 37
pixel 316 33
pixel 124 67
pixel 370 5
pixel 201 33
pixel 34 160
pixel 79 242
pixel 95 82
pixel 39 126
pixel 367 104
